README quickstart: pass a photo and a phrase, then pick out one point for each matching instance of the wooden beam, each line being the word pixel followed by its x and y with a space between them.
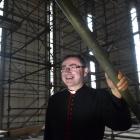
pixel 25 131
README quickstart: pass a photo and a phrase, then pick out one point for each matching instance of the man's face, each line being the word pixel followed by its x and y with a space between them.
pixel 73 73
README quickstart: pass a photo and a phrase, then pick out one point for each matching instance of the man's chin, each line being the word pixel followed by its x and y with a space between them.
pixel 69 84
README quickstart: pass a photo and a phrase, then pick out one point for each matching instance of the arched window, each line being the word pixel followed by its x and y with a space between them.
pixel 51 49
pixel 136 37
pixel 1 14
pixel 92 63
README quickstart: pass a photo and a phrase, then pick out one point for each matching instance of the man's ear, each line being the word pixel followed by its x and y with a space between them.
pixel 86 71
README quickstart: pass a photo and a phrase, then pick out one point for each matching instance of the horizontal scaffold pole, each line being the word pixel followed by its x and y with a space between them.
pixel 81 27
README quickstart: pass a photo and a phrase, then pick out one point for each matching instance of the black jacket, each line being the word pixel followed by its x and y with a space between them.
pixel 90 111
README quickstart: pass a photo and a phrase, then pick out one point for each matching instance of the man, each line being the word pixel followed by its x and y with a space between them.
pixel 80 112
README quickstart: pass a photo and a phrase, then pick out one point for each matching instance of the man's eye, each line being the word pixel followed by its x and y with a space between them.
pixel 73 67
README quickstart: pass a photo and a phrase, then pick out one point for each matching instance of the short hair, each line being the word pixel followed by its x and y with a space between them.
pixel 79 57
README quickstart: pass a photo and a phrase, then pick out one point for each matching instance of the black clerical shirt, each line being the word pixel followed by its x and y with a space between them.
pixel 84 115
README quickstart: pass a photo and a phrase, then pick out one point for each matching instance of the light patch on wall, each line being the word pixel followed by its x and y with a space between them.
pixel 92 64
pixel 89 22
pixel 51 49
pixel 1 14
pixel 136 37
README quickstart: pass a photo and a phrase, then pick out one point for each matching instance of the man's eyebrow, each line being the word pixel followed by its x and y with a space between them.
pixel 70 65
pixel 73 64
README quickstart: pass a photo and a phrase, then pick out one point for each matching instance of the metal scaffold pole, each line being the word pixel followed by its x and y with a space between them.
pixel 80 26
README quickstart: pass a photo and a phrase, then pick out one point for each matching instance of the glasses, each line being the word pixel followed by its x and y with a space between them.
pixel 72 67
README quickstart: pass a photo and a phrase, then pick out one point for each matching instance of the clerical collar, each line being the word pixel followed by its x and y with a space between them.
pixel 72 91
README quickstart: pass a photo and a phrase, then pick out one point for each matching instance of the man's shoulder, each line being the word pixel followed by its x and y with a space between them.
pixel 60 93
pixel 99 92
pixel 96 90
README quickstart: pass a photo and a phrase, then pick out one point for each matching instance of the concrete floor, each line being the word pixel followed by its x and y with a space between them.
pixel 132 134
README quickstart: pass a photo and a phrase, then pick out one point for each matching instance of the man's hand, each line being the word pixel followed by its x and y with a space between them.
pixel 121 85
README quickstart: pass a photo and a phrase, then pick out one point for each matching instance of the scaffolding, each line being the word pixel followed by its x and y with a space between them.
pixel 26 63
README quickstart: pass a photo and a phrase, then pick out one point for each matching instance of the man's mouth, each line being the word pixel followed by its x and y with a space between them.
pixel 69 78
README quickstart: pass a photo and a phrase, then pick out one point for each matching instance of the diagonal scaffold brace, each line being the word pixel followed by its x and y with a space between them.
pixel 80 26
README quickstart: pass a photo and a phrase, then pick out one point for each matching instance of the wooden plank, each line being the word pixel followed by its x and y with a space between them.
pixel 25 131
